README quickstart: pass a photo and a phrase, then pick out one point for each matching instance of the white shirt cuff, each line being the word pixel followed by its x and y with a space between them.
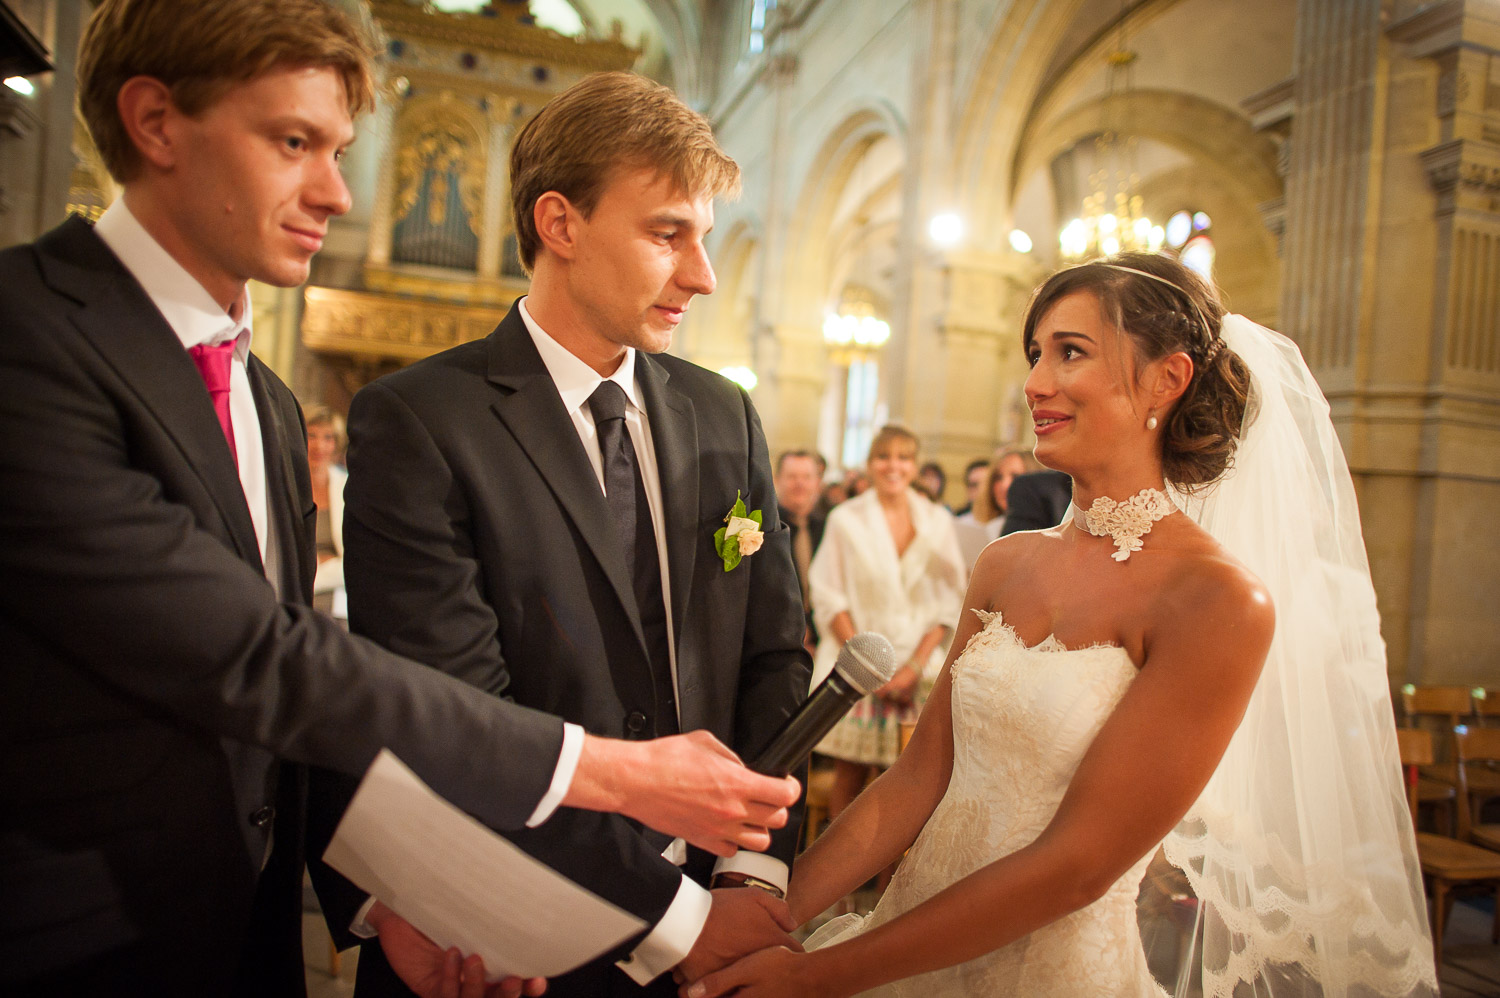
pixel 757 865
pixel 359 926
pixel 562 776
pixel 670 942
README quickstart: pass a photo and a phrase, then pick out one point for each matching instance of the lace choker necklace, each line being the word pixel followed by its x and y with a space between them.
pixel 1125 522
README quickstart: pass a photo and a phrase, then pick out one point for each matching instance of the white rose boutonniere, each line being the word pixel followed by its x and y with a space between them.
pixel 741 535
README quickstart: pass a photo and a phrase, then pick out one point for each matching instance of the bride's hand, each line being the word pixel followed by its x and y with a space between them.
pixel 776 972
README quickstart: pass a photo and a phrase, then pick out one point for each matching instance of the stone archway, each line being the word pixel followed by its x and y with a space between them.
pixel 1002 91
pixel 793 355
pixel 1233 168
pixel 1212 134
pixel 809 239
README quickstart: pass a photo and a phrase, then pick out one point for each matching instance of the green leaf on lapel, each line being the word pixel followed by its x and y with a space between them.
pixel 728 549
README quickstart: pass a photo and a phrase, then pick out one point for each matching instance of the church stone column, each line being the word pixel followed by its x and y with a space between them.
pixel 501 117
pixel 1390 254
pixel 1328 192
pixel 381 222
pixel 911 368
pixel 1455 635
pixel 60 95
pixel 976 372
pixel 792 364
pixel 787 349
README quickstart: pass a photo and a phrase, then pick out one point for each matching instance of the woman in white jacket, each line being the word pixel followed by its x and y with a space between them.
pixel 326 439
pixel 889 562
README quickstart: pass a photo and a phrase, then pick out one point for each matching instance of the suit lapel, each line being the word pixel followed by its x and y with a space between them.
pixel 281 497
pixel 120 321
pixel 674 433
pixel 533 412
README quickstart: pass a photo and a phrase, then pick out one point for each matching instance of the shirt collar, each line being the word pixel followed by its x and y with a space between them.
pixel 574 379
pixel 186 305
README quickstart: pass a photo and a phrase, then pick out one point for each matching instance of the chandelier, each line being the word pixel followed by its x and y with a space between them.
pixel 855 331
pixel 1111 219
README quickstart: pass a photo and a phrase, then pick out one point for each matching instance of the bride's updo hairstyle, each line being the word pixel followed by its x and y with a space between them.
pixel 1172 310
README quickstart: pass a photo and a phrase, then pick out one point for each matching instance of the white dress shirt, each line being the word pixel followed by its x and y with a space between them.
pixel 198 320
pixel 673 937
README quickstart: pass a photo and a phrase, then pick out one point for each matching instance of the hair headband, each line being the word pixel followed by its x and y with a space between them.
pixel 1215 344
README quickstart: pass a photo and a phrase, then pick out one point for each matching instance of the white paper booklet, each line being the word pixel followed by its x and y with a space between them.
pixel 463 885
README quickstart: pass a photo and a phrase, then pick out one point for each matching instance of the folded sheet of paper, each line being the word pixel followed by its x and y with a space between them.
pixel 463 885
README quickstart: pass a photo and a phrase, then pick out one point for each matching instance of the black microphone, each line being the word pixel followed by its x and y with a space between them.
pixel 866 662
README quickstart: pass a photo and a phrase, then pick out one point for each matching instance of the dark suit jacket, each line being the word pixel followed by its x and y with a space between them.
pixel 477 539
pixel 1037 500
pixel 152 679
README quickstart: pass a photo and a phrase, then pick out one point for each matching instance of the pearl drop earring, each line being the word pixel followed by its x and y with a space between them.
pixel 1151 422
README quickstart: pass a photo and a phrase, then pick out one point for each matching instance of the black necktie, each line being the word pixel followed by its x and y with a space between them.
pixel 626 494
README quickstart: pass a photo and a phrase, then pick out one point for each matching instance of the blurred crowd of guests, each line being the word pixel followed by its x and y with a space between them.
pixel 879 550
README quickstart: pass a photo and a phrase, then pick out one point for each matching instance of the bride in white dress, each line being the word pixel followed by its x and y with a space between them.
pixel 1100 674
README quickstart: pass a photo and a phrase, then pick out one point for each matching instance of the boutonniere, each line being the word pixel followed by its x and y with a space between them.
pixel 740 536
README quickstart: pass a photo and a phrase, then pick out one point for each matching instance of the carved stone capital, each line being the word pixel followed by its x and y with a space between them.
pixel 1434 28
pixel 1464 173
pixel 984 293
pixel 1463 163
pixel 1271 109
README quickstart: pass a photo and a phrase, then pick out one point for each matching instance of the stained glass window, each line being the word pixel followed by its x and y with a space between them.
pixel 1189 237
pixel 758 11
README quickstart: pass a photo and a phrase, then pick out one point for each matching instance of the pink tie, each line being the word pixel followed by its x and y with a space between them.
pixel 213 366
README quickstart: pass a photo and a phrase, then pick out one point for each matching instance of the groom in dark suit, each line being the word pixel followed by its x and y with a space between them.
pixel 536 514
pixel 162 669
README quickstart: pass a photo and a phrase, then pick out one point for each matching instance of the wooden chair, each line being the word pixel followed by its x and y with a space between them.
pixel 1457 710
pixel 1486 715
pixel 1476 747
pixel 1442 708
pixel 1486 707
pixel 1453 705
pixel 1446 863
pixel 819 786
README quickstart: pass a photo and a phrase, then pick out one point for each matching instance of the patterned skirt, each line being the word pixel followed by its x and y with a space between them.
pixel 870 733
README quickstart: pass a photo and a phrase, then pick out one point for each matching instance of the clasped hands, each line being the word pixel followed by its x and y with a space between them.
pixel 741 921
pixel 689 786
pixel 744 950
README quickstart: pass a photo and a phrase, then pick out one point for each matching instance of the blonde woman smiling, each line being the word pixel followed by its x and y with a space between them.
pixel 889 562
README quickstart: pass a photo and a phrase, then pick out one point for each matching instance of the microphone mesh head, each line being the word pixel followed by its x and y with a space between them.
pixel 867 662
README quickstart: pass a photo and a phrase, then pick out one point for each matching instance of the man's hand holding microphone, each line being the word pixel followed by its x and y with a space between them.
pixel 692 787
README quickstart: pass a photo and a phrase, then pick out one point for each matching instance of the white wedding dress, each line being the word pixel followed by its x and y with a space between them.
pixel 1022 720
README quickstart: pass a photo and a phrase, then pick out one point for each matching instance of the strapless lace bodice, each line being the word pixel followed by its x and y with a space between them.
pixel 1023 717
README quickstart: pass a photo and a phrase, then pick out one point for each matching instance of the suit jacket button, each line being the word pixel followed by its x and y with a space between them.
pixel 262 817
pixel 635 722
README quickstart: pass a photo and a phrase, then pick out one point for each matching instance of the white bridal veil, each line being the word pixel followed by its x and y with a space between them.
pixel 1300 849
